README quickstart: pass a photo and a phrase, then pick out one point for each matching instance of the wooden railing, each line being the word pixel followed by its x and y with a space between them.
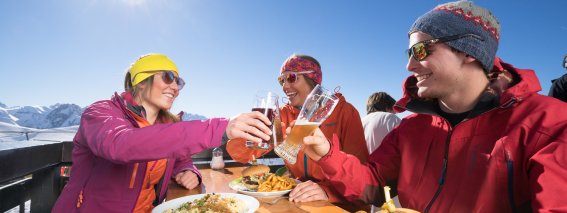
pixel 203 158
pixel 31 170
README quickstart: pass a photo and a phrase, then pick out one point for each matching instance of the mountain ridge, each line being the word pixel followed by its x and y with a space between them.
pixel 58 122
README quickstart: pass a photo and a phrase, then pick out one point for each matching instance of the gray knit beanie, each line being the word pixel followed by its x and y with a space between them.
pixel 462 17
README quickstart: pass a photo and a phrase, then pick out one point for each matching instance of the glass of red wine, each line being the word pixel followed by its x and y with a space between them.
pixel 267 103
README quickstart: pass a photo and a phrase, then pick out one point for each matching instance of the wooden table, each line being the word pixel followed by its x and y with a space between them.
pixel 217 181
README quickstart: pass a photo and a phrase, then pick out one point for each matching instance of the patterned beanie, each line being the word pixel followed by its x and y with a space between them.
pixel 297 63
pixel 462 17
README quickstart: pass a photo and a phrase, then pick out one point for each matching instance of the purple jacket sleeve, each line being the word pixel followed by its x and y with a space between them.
pixel 111 136
pixel 186 164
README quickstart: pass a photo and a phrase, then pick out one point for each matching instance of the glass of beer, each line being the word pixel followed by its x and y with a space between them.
pixel 267 103
pixel 318 106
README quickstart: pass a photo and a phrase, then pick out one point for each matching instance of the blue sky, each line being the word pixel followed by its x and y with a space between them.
pixel 69 51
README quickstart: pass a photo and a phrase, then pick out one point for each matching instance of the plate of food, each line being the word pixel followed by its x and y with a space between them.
pixel 257 181
pixel 213 202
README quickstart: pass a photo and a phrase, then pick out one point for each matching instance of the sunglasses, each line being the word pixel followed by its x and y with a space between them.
pixel 168 77
pixel 419 51
pixel 290 78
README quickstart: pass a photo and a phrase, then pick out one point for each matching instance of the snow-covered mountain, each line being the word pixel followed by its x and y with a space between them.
pixel 41 117
pixel 190 117
pixel 58 122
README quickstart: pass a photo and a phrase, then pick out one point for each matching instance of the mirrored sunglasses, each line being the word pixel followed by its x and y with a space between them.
pixel 291 77
pixel 420 50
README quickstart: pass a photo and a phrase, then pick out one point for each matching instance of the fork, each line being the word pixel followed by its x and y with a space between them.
pixel 274 201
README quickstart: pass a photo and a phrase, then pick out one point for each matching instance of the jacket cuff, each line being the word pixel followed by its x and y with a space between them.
pixel 194 170
pixel 224 138
pixel 331 162
pixel 331 194
pixel 223 123
pixel 198 175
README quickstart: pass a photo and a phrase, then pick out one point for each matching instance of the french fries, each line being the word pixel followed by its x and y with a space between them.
pixel 276 183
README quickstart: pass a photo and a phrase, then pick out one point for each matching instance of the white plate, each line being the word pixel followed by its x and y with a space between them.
pixel 251 202
pixel 241 189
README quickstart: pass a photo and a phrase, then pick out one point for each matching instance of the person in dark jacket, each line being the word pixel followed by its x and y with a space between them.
pixel 481 138
pixel 129 147
pixel 559 86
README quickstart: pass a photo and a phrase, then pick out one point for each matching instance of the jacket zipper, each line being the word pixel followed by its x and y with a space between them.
pixel 133 178
pixel 510 169
pixel 305 166
pixel 446 160
pixel 443 172
pixel 145 167
pixel 505 105
pixel 80 199
pixel 160 185
pixel 150 173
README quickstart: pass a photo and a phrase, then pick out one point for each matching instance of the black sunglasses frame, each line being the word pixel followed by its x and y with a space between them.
pixel 424 44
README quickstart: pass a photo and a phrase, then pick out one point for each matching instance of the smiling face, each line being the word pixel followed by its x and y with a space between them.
pixel 439 75
pixel 160 95
pixel 297 91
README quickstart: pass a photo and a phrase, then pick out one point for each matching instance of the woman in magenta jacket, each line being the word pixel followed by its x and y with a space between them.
pixel 129 147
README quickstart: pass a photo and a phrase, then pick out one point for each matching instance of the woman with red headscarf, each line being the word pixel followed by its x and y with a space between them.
pixel 298 76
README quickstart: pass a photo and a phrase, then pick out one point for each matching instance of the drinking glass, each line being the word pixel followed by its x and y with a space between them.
pixel 267 103
pixel 317 107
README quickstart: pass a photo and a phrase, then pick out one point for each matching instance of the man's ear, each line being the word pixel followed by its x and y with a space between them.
pixel 469 59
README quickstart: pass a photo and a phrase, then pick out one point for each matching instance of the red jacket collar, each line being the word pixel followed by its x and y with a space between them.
pixel 526 83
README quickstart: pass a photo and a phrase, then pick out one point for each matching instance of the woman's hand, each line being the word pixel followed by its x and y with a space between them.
pixel 187 179
pixel 307 191
pixel 251 126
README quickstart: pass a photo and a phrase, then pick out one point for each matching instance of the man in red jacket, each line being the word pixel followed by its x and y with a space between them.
pixel 481 139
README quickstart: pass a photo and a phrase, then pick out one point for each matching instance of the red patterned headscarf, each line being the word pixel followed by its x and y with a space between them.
pixel 296 63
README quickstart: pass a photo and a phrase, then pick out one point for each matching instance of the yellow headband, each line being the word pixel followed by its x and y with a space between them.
pixel 150 62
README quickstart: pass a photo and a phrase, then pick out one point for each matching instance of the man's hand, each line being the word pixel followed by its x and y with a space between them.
pixel 316 146
pixel 307 191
